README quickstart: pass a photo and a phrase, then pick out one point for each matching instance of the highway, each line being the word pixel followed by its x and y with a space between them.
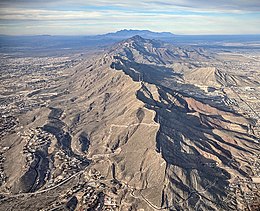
pixel 256 113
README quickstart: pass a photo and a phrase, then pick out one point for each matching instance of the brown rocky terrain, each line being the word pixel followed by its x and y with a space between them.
pixel 134 123
pixel 210 76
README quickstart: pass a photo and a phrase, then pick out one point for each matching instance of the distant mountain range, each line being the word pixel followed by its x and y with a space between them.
pixel 124 34
pixel 56 44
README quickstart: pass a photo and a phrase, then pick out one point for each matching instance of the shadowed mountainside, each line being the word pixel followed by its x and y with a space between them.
pixel 131 117
pixel 173 149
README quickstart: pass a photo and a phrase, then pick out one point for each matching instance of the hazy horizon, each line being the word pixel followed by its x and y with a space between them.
pixel 110 32
pixel 182 17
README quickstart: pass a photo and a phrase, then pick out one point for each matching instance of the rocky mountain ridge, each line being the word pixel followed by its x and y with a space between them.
pixel 129 116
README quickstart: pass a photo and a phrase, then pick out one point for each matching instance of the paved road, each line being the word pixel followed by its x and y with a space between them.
pixel 249 106
pixel 42 191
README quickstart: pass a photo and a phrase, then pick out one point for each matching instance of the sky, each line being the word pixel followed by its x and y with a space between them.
pixel 89 17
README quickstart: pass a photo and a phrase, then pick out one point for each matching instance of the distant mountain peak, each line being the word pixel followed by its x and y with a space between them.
pixel 134 31
pixel 128 33
pixel 136 38
pixel 136 42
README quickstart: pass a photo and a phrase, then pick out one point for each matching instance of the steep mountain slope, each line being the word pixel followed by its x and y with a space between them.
pixel 177 152
pixel 203 76
pixel 154 146
pixel 147 51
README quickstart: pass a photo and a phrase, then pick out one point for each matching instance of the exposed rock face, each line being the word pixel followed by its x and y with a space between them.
pixel 144 51
pixel 175 150
pixel 169 149
pixel 203 76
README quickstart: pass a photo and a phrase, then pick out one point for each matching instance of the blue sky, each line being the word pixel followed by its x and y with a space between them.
pixel 88 17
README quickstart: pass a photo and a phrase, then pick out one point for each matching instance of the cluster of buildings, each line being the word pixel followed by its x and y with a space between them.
pixel 91 198
pixel 29 64
pixel 23 78
pixel 246 191
pixel 246 95
pixel 243 63
pixel 68 164
pixel 2 174
pixel 256 168
pixel 93 192
pixel 99 193
pixel 35 139
pixel 7 124
pixel 63 165
pixel 249 103
pixel 230 102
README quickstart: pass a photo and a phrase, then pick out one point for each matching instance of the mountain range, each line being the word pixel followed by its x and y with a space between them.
pixel 136 115
pixel 43 45
pixel 125 33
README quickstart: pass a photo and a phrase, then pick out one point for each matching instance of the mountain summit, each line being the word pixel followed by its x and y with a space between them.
pixel 152 51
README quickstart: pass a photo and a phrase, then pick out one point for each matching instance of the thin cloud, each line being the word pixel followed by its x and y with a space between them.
pixel 93 17
pixel 192 5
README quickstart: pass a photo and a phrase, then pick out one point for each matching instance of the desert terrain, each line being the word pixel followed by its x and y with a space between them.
pixel 139 125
